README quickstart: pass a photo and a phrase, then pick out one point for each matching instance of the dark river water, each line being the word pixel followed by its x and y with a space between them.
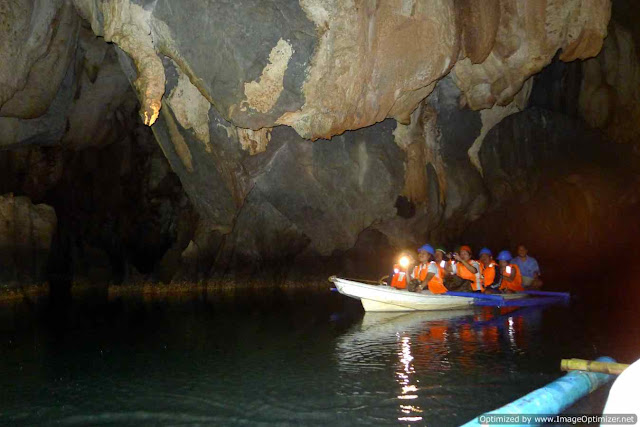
pixel 287 358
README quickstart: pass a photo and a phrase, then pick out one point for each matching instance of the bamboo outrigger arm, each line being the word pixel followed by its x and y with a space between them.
pixel 592 366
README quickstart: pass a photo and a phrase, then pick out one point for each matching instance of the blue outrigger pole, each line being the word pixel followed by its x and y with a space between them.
pixel 553 398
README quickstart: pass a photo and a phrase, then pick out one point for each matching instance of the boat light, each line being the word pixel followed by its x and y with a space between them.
pixel 404 262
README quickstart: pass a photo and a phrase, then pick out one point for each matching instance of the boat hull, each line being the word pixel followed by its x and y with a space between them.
pixel 371 305
pixel 385 298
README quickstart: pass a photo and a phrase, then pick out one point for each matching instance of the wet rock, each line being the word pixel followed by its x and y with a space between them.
pixel 312 199
pixel 92 105
pixel 232 89
pixel 26 33
pixel 26 233
pixel 45 75
pixel 610 91
pixel 547 144
pixel 118 207
pixel 450 188
pixel 101 112
pixel 528 36
pixel 326 67
pixel 48 129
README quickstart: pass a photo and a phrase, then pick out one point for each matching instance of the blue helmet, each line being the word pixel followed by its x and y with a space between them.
pixel 504 256
pixel 428 249
pixel 485 251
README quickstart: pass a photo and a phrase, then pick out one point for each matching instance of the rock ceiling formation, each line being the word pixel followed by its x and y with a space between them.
pixel 232 89
pixel 319 66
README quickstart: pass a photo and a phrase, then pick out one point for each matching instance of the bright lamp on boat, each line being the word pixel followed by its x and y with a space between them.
pixel 404 262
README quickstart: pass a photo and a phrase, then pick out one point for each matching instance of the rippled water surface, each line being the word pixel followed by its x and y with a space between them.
pixel 289 358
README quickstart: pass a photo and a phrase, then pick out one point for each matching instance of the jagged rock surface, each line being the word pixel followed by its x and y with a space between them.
pixel 560 190
pixel 610 93
pixel 527 36
pixel 26 233
pixel 232 88
pixel 323 67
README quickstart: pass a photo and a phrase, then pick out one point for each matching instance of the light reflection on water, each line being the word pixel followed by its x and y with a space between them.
pixel 303 359
pixel 434 352
pixel 404 378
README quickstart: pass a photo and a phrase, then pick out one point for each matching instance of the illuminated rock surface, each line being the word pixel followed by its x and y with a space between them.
pixel 413 94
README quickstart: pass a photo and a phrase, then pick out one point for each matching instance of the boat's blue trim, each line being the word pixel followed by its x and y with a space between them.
pixel 493 297
pixel 555 397
pixel 548 294
pixel 498 300
pixel 523 302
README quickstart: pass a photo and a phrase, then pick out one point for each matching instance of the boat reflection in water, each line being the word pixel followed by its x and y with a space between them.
pixel 440 359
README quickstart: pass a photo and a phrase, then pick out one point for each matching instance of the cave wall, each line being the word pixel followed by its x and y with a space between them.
pixel 437 113
pixel 323 67
pixel 118 208
pixel 82 151
pixel 26 233
pixel 569 197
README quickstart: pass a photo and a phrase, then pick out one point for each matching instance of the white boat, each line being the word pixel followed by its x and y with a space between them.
pixel 386 298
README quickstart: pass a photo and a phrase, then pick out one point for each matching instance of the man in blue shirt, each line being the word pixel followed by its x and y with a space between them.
pixel 528 268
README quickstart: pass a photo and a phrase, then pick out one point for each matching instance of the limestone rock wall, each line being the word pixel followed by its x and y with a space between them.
pixel 610 90
pixel 26 234
pixel 526 37
pixel 323 67
pixel 414 95
pixel 91 106
pixel 571 198
pixel 119 208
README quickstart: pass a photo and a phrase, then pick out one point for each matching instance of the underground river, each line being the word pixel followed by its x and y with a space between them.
pixel 287 357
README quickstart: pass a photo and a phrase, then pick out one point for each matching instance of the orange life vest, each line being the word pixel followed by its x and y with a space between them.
pixel 516 284
pixel 420 272
pixel 463 272
pixel 441 268
pixel 435 284
pixel 399 279
pixel 489 273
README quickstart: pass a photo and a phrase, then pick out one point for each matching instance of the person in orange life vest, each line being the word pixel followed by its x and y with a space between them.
pixel 511 277
pixel 444 265
pixel 490 271
pixel 468 270
pixel 426 273
pixel 399 278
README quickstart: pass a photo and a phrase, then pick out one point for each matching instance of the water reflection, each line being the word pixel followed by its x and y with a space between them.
pixel 404 378
pixel 433 352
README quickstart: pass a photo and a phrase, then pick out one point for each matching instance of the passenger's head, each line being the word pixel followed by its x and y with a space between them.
pixel 485 256
pixel 522 251
pixel 425 252
pixel 440 254
pixel 465 252
pixel 504 258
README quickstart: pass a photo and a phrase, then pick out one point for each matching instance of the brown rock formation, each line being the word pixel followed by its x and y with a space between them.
pixel 610 91
pixel 128 25
pixel 362 71
pixel 371 60
pixel 420 141
pixel 26 233
pixel 529 35
pixel 47 72
pixel 216 79
pixel 26 30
